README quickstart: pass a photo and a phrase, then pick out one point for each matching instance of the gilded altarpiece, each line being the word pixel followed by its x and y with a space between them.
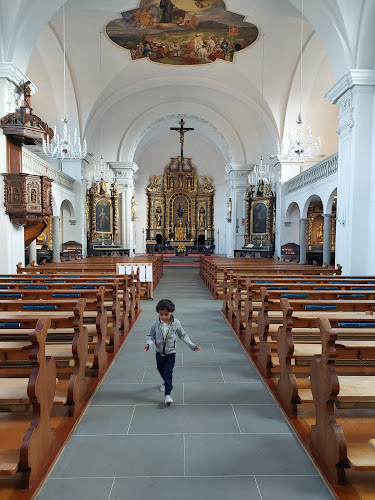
pixel 102 213
pixel 179 207
pixel 260 218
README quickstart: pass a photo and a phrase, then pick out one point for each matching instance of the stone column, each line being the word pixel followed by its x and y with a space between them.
pixel 12 248
pixel 302 244
pixel 355 231
pixel 32 252
pixel 238 175
pixel 56 237
pixel 327 239
pixel 125 184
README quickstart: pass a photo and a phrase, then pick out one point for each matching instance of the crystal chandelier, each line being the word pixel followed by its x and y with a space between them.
pixel 63 147
pixel 261 173
pixel 300 148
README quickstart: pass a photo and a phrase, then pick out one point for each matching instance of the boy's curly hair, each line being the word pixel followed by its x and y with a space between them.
pixel 165 304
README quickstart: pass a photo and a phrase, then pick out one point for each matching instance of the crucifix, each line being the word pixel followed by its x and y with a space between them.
pixel 182 131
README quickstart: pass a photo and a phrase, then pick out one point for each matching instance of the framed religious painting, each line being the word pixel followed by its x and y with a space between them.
pixel 258 218
pixel 103 216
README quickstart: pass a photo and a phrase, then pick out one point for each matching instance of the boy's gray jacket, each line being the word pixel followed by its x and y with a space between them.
pixel 156 336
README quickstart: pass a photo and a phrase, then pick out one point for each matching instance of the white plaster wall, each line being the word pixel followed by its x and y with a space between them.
pixel 290 234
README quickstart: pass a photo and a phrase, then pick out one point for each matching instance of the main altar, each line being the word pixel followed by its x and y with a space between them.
pixel 180 209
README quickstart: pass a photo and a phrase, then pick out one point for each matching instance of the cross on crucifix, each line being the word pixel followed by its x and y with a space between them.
pixel 182 131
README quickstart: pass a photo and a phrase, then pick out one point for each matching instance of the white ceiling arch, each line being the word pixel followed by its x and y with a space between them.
pixel 221 132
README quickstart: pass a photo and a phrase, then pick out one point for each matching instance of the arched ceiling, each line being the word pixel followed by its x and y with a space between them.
pixel 227 95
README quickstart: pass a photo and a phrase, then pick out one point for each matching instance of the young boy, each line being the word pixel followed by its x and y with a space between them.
pixel 163 332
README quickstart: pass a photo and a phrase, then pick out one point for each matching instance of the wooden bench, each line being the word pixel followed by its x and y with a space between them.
pixel 38 439
pixel 340 446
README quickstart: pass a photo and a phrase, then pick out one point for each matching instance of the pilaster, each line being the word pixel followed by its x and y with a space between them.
pixel 302 248
pixel 125 184
pixel 354 93
pixel 327 239
pixel 238 177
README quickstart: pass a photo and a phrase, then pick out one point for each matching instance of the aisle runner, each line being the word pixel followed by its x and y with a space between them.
pixel 223 437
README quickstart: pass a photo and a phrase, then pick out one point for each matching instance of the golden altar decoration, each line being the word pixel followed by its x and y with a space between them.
pixel 260 216
pixel 179 206
pixel 102 213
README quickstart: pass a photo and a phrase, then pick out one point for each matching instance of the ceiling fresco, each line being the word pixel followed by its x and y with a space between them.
pixel 182 32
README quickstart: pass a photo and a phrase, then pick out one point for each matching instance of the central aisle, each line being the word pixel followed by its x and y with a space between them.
pixel 223 438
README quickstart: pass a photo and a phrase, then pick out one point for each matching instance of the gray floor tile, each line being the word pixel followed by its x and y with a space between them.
pixel 188 374
pixel 82 489
pixel 203 358
pixel 245 454
pixel 261 418
pixel 240 373
pixel 293 488
pixel 105 420
pixel 133 394
pixel 112 456
pixel 185 488
pixel 241 393
pixel 183 419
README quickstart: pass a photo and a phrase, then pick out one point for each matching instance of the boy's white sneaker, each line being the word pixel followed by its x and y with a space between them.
pixel 162 387
pixel 168 400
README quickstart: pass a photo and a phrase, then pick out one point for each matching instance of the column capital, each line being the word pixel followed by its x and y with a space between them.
pixel 238 174
pixel 303 221
pixel 10 72
pixel 124 173
pixel 355 77
pixel 327 216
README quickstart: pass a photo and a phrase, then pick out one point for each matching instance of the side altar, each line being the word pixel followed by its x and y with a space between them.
pixel 180 209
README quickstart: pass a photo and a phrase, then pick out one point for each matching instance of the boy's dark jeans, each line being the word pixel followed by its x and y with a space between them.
pixel 165 365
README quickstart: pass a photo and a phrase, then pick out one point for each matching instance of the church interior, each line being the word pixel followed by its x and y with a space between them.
pixel 220 153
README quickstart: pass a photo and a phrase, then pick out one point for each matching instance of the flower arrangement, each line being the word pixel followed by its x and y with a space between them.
pixel 181 248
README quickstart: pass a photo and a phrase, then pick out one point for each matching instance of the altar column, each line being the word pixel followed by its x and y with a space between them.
pixel 12 248
pixel 354 93
pixel 327 239
pixel 238 175
pixel 302 244
pixel 56 237
pixel 125 184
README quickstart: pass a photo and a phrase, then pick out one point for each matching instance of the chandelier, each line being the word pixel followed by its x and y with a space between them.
pixel 261 173
pixel 63 147
pixel 300 147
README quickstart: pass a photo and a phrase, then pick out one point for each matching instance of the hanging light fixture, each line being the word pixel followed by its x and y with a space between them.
pixel 101 169
pixel 62 147
pixel 261 173
pixel 300 148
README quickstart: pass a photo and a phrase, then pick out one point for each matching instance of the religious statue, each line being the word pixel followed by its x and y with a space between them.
pixel 158 216
pixel 202 213
pixel 171 183
pixel 229 213
pixel 260 190
pixel 268 190
pixel 319 233
pixel 189 182
pixel 114 190
pixel 102 187
pixel 133 208
pixel 180 183
pixel 26 94
pixel 180 210
pixel 153 186
pixel 207 188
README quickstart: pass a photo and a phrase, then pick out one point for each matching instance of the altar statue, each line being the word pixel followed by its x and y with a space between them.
pixel 319 234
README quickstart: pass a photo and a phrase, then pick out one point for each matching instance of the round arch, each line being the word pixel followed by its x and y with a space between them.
pixel 327 209
pixel 313 197
pixel 292 206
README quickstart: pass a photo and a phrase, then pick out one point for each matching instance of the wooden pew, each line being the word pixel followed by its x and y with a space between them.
pixel 76 350
pixel 38 438
pixel 339 446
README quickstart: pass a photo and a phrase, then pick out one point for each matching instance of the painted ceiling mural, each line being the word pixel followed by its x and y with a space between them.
pixel 182 32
